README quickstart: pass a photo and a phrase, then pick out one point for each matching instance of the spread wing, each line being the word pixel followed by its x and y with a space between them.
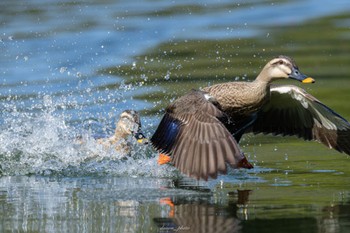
pixel 293 111
pixel 193 134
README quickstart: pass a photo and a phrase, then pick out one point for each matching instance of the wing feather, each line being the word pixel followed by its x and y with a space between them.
pixel 196 138
pixel 293 111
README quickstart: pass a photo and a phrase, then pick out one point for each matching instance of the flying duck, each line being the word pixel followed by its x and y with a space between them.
pixel 200 131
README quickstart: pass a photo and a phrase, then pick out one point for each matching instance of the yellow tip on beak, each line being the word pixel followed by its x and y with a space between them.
pixel 308 80
pixel 142 140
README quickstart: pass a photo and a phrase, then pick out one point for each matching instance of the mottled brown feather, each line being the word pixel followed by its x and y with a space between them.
pixel 201 137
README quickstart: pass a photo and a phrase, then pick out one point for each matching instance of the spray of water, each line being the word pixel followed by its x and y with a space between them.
pixel 41 142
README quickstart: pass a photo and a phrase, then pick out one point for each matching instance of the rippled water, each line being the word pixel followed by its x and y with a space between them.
pixel 52 90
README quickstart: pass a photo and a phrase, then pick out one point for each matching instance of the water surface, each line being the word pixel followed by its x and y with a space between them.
pixel 70 68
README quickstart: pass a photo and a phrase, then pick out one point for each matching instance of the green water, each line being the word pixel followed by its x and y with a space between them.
pixel 320 47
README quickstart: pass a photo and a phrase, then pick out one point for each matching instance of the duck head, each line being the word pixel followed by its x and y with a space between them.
pixel 129 124
pixel 283 67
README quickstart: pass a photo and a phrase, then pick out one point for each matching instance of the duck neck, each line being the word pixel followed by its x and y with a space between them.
pixel 120 132
pixel 261 88
pixel 264 77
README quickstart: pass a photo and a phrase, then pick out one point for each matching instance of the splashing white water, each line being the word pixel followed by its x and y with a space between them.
pixel 42 143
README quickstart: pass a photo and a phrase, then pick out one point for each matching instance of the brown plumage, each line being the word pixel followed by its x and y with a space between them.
pixel 129 124
pixel 200 130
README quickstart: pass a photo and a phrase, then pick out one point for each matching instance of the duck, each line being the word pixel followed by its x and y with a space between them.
pixel 200 131
pixel 129 124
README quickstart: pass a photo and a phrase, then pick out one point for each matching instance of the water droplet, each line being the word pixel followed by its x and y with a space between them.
pixel 47 101
pixel 133 65
pixel 63 69
pixel 167 76
pixel 144 77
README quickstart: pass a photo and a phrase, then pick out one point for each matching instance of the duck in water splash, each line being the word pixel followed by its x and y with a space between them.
pixel 129 124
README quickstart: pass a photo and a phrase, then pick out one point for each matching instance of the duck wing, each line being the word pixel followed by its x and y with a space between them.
pixel 193 134
pixel 293 111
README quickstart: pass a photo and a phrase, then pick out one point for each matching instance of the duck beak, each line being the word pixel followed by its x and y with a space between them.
pixel 141 138
pixel 308 80
pixel 297 75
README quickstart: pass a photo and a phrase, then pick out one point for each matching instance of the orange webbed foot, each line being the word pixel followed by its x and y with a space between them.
pixel 163 159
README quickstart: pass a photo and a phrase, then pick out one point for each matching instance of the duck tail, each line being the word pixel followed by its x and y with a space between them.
pixel 244 163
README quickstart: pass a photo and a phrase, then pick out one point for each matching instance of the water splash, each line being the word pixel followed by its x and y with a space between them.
pixel 43 143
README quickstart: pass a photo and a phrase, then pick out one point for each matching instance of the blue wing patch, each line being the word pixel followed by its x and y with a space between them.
pixel 164 137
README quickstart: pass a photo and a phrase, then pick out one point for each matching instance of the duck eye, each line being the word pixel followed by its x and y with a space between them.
pixel 280 62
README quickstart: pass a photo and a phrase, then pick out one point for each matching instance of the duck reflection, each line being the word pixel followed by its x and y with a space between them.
pixel 332 217
pixel 203 214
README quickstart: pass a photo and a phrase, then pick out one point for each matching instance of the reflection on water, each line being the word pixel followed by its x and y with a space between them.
pixel 204 215
pixel 111 204
pixel 84 204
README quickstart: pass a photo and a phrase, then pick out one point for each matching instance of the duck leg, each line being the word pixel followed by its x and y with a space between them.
pixel 247 123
